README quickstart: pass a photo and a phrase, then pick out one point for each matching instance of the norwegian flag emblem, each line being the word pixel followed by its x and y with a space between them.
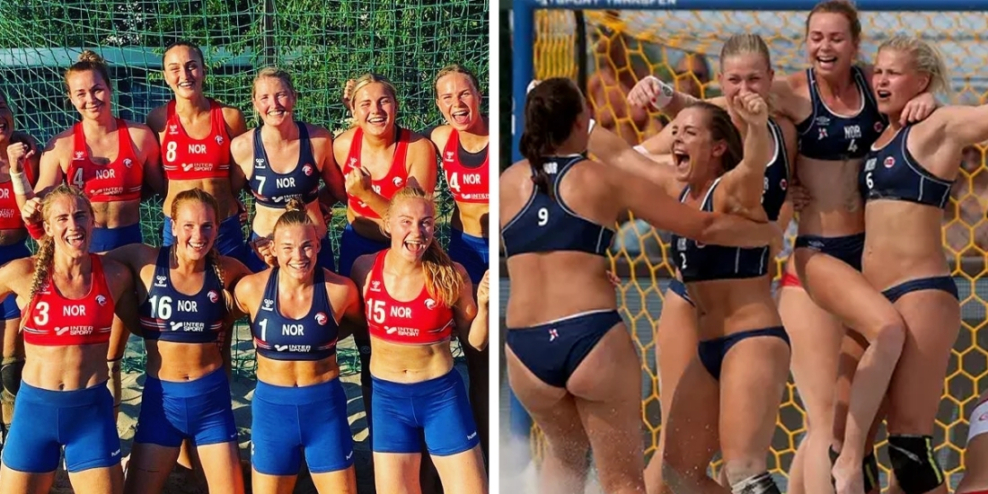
pixel 553 334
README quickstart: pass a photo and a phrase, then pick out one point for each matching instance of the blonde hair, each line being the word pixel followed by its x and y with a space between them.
pixel 44 258
pixel 926 59
pixel 368 79
pixel 276 73
pixel 456 69
pixel 442 282
pixel 743 44
pixel 89 61
pixel 199 196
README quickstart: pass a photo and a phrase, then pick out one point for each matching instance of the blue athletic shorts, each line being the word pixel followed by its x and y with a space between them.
pixel 289 422
pixel 472 252
pixel 107 239
pixel 81 421
pixel 354 245
pixel 200 410
pixel 438 409
pixel 9 253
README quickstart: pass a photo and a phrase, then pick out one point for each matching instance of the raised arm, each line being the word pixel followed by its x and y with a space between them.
pixel 607 147
pixel 648 202
pixel 743 186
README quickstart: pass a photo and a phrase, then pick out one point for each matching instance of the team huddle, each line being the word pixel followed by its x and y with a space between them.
pixel 865 316
pixel 70 308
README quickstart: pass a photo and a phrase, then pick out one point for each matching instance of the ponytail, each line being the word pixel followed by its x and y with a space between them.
pixel 442 282
pixel 551 111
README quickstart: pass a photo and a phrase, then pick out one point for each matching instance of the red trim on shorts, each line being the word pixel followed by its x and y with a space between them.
pixel 789 279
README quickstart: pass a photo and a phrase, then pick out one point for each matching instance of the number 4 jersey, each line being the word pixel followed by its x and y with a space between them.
pixel 546 224
pixel 466 173
pixel 119 180
pixel 826 135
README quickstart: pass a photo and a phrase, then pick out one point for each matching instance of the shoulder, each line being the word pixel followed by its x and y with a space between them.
pixel 61 141
pixel 139 131
pixel 318 132
pixel 117 274
pixel 362 267
pixel 242 141
pixel 339 284
pixel 440 135
pixel 419 145
pixel 231 114
pixel 793 82
pixel 158 118
pixel 250 287
pixel 18 270
pixel 343 141
pixel 233 270
pixel 132 254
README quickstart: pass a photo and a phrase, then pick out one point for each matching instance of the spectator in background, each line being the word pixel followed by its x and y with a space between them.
pixel 608 87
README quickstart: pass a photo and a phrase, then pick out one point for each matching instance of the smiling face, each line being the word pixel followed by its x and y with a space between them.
pixel 458 100
pixel 89 93
pixel 296 247
pixel 194 229
pixel 184 71
pixel 274 100
pixel 830 44
pixel 746 73
pixel 411 225
pixel 375 108
pixel 69 222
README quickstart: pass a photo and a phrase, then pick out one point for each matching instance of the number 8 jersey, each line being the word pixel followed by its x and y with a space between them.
pixel 54 320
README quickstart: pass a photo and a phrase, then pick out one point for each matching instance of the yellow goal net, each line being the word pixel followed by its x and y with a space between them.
pixel 682 47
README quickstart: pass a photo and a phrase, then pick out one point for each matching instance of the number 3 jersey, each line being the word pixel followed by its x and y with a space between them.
pixel 420 321
pixel 546 224
pixel 170 315
pixel 311 337
pixel 55 320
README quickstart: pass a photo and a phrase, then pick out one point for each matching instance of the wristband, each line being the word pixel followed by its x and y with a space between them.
pixel 666 92
pixel 36 230
pixel 20 183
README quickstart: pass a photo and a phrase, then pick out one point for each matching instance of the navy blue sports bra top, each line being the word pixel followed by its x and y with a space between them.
pixel 701 262
pixel 892 173
pixel 828 136
pixel 776 184
pixel 169 315
pixel 546 224
pixel 312 337
pixel 273 189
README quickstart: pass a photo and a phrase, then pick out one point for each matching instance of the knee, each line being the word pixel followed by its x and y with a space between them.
pixel 679 478
pixel 914 463
pixel 889 337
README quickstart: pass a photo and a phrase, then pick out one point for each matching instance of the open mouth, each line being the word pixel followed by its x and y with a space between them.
pixel 415 246
pixel 76 240
pixel 277 113
pixel 377 120
pixel 461 117
pixel 883 94
pixel 187 84
pixel 199 247
pixel 826 62
pixel 681 159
